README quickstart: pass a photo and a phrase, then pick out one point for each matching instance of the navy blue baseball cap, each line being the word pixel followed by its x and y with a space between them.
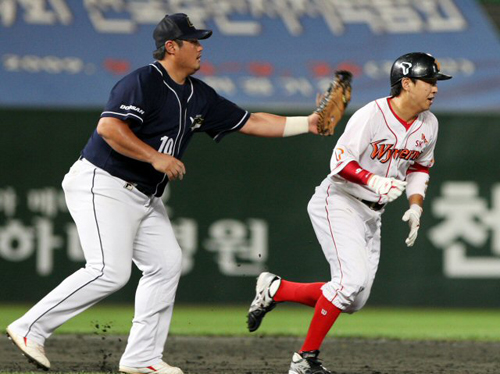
pixel 177 26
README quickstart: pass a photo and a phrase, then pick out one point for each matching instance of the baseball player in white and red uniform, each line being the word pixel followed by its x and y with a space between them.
pixel 387 146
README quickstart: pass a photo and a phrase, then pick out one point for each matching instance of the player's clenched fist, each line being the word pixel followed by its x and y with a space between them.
pixel 169 165
pixel 389 188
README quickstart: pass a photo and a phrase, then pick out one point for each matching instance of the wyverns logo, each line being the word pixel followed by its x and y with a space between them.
pixel 384 152
pixel 406 67
pixel 132 107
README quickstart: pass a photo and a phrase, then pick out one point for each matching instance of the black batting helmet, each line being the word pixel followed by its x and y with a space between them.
pixel 416 65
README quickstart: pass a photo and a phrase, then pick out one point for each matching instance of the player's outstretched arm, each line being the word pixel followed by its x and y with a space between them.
pixel 274 126
pixel 121 138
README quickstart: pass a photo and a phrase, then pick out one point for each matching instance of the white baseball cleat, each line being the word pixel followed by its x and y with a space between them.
pixel 266 288
pixel 307 363
pixel 161 368
pixel 34 352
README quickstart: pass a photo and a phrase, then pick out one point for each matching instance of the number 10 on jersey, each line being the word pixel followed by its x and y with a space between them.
pixel 167 145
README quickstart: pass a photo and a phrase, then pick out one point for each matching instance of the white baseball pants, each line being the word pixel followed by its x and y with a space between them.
pixel 349 234
pixel 116 226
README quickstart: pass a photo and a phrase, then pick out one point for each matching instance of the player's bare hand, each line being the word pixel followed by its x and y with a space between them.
pixel 412 216
pixel 388 188
pixel 169 165
pixel 313 123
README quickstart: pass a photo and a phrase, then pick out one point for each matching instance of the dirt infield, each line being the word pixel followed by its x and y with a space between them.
pixel 258 355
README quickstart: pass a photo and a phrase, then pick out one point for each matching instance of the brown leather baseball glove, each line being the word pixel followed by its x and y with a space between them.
pixel 333 103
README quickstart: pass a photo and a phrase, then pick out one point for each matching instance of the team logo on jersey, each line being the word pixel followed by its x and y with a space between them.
pixel 384 152
pixel 422 142
pixel 196 122
pixel 338 154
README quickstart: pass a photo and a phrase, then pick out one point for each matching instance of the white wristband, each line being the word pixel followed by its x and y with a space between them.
pixel 417 183
pixel 296 126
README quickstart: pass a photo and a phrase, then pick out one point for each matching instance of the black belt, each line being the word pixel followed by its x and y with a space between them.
pixel 372 205
pixel 129 185
pixel 143 190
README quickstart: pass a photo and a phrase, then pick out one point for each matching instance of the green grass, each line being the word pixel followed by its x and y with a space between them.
pixel 388 323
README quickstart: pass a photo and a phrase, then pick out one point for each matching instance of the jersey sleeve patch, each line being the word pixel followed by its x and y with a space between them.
pixel 133 96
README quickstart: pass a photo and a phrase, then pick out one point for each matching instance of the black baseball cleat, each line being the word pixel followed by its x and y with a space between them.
pixel 266 288
pixel 307 363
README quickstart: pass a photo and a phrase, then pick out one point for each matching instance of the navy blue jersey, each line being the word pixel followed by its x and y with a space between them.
pixel 164 115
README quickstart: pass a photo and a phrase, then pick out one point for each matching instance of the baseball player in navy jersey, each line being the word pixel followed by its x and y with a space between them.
pixel 114 191
pixel 387 146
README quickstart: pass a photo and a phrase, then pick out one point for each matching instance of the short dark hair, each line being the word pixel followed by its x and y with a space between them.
pixel 398 87
pixel 159 54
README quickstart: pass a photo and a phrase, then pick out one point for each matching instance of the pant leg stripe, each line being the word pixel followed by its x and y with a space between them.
pixel 97 277
pixel 334 244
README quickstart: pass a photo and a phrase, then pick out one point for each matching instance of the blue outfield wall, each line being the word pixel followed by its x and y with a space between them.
pixel 263 54
pixel 241 209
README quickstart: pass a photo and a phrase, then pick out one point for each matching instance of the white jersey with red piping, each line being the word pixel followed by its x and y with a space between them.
pixel 383 144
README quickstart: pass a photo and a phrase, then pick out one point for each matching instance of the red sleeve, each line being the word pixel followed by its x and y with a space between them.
pixel 354 173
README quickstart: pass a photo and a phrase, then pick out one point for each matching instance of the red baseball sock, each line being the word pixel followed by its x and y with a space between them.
pixel 304 293
pixel 325 315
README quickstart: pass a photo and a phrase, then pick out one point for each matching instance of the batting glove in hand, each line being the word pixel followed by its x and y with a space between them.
pixel 412 216
pixel 389 188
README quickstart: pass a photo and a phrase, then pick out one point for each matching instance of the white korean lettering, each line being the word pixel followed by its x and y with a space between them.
pixel 442 15
pixel 8 201
pixel 186 233
pixel 241 248
pixel 300 86
pixel 16 241
pixel 243 17
pixel 44 64
pixel 8 12
pixel 467 222
pixel 48 201
pixel 460 206
pixel 47 242
pixel 98 16
pixel 223 85
pixel 36 12
pixel 257 86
